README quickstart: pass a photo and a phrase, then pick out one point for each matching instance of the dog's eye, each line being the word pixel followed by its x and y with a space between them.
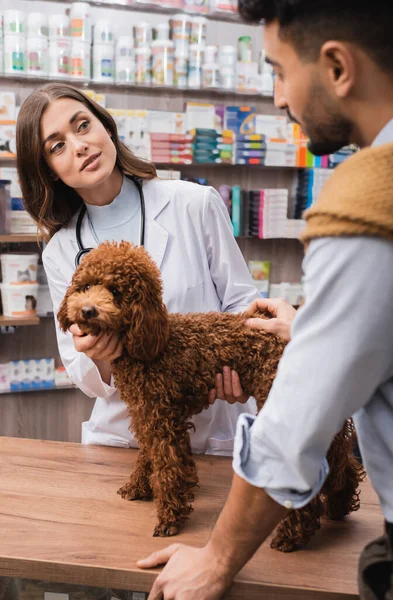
pixel 115 292
pixel 86 288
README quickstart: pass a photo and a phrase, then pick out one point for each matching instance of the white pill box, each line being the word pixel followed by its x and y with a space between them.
pixel 33 374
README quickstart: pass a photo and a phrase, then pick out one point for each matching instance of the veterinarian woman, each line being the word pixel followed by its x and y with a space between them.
pixel 70 158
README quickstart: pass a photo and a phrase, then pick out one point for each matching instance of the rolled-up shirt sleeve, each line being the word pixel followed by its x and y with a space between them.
pixel 340 353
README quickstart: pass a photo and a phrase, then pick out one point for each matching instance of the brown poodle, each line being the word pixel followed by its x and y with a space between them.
pixel 167 368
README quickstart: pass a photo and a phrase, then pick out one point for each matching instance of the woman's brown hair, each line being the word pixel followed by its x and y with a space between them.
pixel 52 203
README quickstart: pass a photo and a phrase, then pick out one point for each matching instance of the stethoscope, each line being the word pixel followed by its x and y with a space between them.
pixel 82 251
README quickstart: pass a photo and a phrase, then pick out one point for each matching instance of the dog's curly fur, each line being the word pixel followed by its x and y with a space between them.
pixel 167 368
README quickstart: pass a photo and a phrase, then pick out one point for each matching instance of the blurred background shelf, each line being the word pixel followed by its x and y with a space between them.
pixel 18 238
pixel 15 322
pixel 181 167
pixel 51 389
pixel 138 87
pixel 225 17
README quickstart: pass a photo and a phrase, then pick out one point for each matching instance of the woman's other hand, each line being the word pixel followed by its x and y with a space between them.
pixel 228 387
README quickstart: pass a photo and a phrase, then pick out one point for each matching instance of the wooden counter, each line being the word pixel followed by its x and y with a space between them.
pixel 61 520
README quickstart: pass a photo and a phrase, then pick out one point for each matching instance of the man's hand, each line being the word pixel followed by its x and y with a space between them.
pixel 228 387
pixel 103 347
pixel 248 517
pixel 190 574
pixel 282 312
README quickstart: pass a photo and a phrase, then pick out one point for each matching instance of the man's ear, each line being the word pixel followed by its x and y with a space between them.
pixel 339 63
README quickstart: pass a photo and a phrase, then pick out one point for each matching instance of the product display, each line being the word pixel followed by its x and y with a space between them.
pixel 143 57
pixel 80 59
pixel 261 213
pixel 15 54
pixel 163 62
pixel 143 34
pixel 104 62
pixel 181 68
pixel 19 300
pixel 18 269
pixel 171 53
pixel 181 32
pixel 104 32
pixel 198 30
pixel 125 71
pixel 59 58
pixel 14 22
pixel 196 61
pixel 220 135
pixel 196 6
pixel 260 273
pixel 80 21
pixel 37 56
pixel 32 374
pixel 59 27
pixel 37 25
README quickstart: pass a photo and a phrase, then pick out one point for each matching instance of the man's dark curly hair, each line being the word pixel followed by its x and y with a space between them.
pixel 308 24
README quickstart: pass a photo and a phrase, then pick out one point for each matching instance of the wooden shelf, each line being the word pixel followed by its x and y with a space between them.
pixel 18 322
pixel 19 237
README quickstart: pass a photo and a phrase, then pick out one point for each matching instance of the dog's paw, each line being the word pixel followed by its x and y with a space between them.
pixel 283 545
pixel 166 530
pixel 132 492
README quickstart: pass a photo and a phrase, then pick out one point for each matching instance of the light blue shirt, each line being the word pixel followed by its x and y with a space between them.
pixel 338 364
pixel 119 220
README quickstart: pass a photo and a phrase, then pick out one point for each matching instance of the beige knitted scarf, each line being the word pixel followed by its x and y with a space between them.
pixel 357 199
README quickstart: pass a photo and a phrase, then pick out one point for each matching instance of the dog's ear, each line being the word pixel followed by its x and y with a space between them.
pixel 144 312
pixel 62 314
pixel 147 333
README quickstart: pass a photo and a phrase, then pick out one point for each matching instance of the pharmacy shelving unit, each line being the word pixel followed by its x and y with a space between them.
pixel 58 416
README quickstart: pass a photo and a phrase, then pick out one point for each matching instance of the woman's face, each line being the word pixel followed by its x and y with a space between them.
pixel 76 146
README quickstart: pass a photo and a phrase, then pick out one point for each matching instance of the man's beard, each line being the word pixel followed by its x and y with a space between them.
pixel 327 129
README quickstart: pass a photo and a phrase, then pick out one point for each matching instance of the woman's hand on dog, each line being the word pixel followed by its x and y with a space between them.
pixel 282 313
pixel 104 347
pixel 228 387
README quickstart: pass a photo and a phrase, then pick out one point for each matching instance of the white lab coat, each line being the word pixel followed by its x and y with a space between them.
pixel 189 234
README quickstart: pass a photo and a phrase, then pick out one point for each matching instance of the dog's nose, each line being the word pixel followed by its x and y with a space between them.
pixel 89 312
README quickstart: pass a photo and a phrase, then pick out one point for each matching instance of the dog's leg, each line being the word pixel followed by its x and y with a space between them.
pixel 341 489
pixel 298 527
pixel 173 476
pixel 138 488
